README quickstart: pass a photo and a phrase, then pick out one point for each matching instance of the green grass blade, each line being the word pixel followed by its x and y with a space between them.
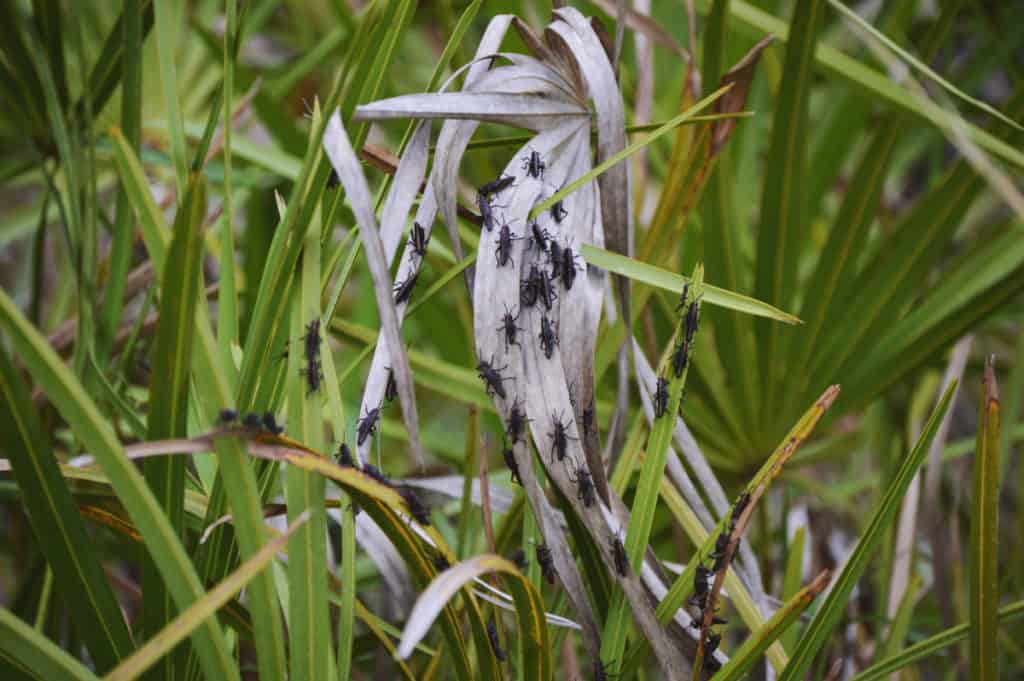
pixel 816 636
pixel 58 528
pixel 920 65
pixel 900 624
pixel 174 633
pixel 641 519
pixel 108 70
pixel 131 125
pixel 239 480
pixel 309 630
pixel 670 281
pixel 36 653
pixel 167 25
pixel 152 222
pixel 98 438
pixel 981 282
pixel 227 301
pixel 983 560
pixel 753 648
pixel 933 644
pixel 871 82
pixel 783 211
pixel 169 390
pixel 791 582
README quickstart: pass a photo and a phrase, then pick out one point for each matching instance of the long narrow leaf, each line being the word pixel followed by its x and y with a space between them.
pixel 817 632
pixel 32 650
pixel 169 387
pixel 203 609
pixel 75 406
pixel 984 576
pixel 59 530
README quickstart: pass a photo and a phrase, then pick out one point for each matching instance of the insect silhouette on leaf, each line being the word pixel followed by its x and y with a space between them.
pixel 680 358
pixel 620 557
pixel 345 456
pixel 539 238
pixel 417 509
pixel 547 565
pixel 497 185
pixel 419 239
pixel 503 248
pixel 513 466
pixel 528 288
pixel 508 328
pixel 516 422
pixel 569 267
pixel 683 297
pixel 661 398
pixel 548 336
pixel 270 423
pixel 403 289
pixel 367 426
pixel 585 490
pixel 312 340
pixel 492 634
pixel 391 387
pixel 545 291
pixel 372 471
pixel 534 166
pixel 491 375
pixel 692 320
pixel 559 438
pixel 558 212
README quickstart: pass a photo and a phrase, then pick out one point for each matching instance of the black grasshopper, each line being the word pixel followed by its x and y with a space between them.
pixel 680 358
pixel 516 422
pixel 555 258
pixel 486 210
pixel 539 237
pixel 545 291
pixel 367 425
pixel 547 566
pixel 372 471
pixel 417 509
pixel 585 490
pixel 559 439
pixel 692 320
pixel 492 377
pixel 403 289
pixel 558 212
pixel 345 456
pixel 534 166
pixel 503 247
pixel 619 554
pixel 492 633
pixel 548 336
pixel 528 288
pixel 419 239
pixel 391 387
pixel 270 423
pixel 569 268
pixel 495 186
pixel 508 328
pixel 513 466
pixel 661 398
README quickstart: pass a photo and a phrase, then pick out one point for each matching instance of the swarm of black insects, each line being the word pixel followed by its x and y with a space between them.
pixel 251 421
